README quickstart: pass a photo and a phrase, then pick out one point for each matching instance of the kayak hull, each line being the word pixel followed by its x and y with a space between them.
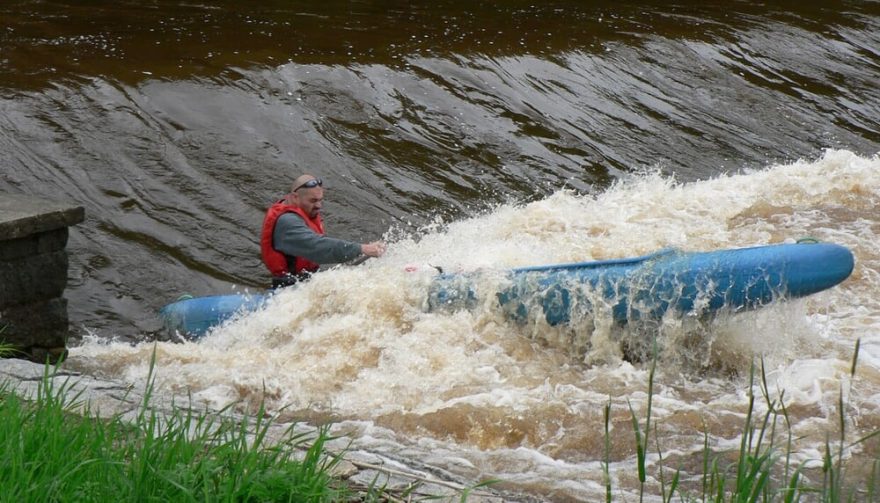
pixel 649 287
pixel 631 289
pixel 193 317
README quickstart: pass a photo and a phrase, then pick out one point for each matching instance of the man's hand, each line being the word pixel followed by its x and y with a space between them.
pixel 374 249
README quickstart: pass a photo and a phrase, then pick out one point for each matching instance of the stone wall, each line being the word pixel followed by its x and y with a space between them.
pixel 33 274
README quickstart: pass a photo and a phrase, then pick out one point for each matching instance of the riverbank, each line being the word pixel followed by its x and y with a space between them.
pixel 364 475
pixel 762 466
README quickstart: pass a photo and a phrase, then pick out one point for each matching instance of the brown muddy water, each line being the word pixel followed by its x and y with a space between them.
pixel 472 135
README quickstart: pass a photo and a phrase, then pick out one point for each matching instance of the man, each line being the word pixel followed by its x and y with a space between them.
pixel 293 244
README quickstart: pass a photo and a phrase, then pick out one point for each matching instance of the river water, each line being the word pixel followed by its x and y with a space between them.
pixel 470 135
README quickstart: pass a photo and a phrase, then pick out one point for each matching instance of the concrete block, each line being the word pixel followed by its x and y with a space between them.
pixel 23 215
pixel 33 278
pixel 42 324
pixel 35 244
pixel 33 274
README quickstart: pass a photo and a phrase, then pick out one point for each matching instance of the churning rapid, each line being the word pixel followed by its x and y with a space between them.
pixel 471 136
pixel 481 395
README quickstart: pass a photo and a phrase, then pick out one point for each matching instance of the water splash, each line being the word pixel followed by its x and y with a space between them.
pixel 357 345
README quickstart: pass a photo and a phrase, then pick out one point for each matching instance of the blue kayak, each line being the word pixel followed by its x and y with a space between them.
pixel 649 286
pixel 638 288
pixel 193 317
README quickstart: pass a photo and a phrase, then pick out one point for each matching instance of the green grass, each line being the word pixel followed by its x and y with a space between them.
pixel 6 350
pixel 48 453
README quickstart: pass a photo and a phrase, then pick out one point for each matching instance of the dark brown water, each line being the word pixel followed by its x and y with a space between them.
pixel 470 134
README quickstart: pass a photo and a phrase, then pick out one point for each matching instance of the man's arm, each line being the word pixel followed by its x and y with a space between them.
pixel 293 237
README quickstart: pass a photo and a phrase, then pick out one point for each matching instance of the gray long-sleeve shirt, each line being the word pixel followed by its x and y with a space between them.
pixel 294 238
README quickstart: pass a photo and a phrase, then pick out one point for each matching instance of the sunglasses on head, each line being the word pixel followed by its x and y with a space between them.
pixel 311 184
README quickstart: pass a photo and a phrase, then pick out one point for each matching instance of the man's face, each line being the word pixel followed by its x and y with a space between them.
pixel 309 200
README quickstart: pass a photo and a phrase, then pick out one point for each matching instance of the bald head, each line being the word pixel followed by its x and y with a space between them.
pixel 307 193
pixel 304 179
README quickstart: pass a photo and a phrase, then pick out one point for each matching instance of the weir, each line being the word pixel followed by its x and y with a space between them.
pixel 33 275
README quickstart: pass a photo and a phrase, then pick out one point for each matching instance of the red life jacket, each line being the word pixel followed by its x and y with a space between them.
pixel 276 261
